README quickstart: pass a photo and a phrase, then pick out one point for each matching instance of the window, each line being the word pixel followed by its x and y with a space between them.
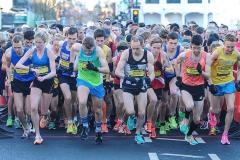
pixel 152 1
pixel 173 1
pixel 194 1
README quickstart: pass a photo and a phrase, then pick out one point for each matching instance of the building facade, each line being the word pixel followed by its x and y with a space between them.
pixel 176 11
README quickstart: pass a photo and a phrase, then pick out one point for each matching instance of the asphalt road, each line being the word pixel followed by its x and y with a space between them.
pixel 60 146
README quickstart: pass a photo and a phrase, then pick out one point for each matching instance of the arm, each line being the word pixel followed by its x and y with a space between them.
pixel 76 50
pixel 207 71
pixel 7 64
pixel 104 65
pixel 178 65
pixel 238 72
pixel 150 65
pixel 23 59
pixel 120 67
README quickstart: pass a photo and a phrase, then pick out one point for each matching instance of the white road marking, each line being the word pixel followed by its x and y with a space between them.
pixel 199 140
pixel 171 139
pixel 214 157
pixel 182 155
pixel 153 156
pixel 148 139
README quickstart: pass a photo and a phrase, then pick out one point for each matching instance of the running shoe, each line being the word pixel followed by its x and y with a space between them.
pixel 153 134
pixel 184 127
pixel 212 120
pixel 104 128
pixel 98 138
pixel 84 133
pixel 117 125
pixel 38 140
pixel 43 122
pixel 26 134
pixel 148 126
pixel 126 130
pixel 172 122
pixel 181 116
pixel 130 123
pixel 17 123
pixel 9 121
pixel 212 131
pixel 191 140
pixel 51 125
pixel 157 124
pixel 70 129
pixel 139 139
pixel 74 129
pixel 225 140
pixel 162 130
pixel 167 127
pixel 204 125
pixel 121 129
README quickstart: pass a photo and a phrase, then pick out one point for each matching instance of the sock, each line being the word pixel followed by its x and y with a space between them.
pixel 84 121
pixel 192 127
pixel 98 127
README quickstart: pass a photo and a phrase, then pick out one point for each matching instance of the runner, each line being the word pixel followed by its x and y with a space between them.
pixel 43 64
pixel 90 63
pixel 132 69
pixel 194 62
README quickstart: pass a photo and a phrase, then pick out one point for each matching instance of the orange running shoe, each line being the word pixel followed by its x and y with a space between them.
pixel 43 122
pixel 153 133
pixel 148 126
pixel 38 140
pixel 117 125
pixel 104 128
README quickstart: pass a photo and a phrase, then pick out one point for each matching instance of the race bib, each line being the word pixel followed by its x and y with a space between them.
pixel 22 71
pixel 64 63
pixel 136 73
pixel 169 69
pixel 192 71
pixel 223 70
pixel 43 70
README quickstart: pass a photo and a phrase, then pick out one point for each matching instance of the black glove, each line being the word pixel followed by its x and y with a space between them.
pixel 179 82
pixel 159 65
pixel 91 66
pixel 212 89
pixel 110 65
pixel 237 85
pixel 199 68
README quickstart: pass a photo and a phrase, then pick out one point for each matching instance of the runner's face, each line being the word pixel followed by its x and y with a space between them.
pixel 87 50
pixel 229 47
pixel 100 41
pixel 71 38
pixel 156 48
pixel 18 47
pixel 56 45
pixel 39 43
pixel 172 45
pixel 28 43
pixel 116 30
pixel 196 49
pixel 136 47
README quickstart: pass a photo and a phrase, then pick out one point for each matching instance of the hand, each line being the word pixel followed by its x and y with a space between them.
pixel 91 66
pixel 212 89
pixel 179 82
pixel 35 71
pixel 41 79
pixel 199 68
pixel 159 65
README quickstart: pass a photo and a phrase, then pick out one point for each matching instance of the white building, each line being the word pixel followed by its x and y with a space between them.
pixel 176 11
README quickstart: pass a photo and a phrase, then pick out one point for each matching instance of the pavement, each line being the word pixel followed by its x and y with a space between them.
pixel 60 146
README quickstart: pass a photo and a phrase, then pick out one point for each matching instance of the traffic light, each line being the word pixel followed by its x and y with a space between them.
pixel 135 15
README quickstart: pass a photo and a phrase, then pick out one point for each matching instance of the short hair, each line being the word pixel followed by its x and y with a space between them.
pixel 174 26
pixel 43 35
pixel 200 30
pixel 137 39
pixel 72 31
pixel 89 42
pixel 17 38
pixel 197 40
pixel 187 33
pixel 172 35
pixel 156 40
pixel 214 45
pixel 212 37
pixel 230 37
pixel 29 35
pixel 99 33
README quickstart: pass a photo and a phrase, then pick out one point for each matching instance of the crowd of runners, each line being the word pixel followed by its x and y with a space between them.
pixel 125 78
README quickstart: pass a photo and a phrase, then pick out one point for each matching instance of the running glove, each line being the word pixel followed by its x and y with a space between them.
pixel 199 68
pixel 212 89
pixel 179 82
pixel 91 66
